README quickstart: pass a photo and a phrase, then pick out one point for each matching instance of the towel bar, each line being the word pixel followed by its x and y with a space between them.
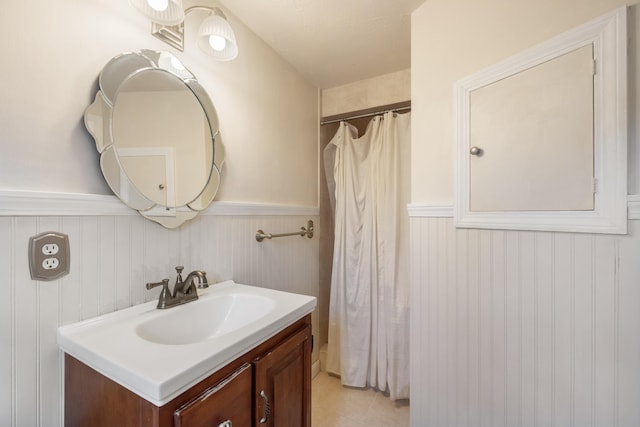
pixel 308 231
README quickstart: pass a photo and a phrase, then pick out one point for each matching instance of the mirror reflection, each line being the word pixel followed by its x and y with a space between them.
pixel 162 151
pixel 155 127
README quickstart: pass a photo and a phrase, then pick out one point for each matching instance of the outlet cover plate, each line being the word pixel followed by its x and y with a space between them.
pixel 39 258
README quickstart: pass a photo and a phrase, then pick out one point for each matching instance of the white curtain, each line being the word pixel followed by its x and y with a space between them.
pixel 369 303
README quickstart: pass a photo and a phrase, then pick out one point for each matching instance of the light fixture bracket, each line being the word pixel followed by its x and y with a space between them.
pixel 173 35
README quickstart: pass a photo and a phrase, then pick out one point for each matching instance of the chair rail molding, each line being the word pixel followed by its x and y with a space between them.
pixel 431 210
pixel 37 203
pixel 633 206
pixel 445 209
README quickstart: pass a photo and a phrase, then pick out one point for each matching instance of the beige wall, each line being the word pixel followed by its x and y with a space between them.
pixel 369 93
pixel 453 39
pixel 512 327
pixel 51 58
pixel 51 61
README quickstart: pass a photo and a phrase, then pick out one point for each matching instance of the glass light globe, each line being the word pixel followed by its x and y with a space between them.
pixel 216 38
pixel 158 5
pixel 217 43
pixel 163 12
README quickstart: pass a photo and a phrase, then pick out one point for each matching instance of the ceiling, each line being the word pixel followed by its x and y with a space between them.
pixel 333 42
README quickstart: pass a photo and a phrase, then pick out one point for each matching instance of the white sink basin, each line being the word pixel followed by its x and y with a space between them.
pixel 159 354
pixel 215 316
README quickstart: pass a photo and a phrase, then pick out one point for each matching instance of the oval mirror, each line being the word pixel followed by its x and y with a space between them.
pixel 155 128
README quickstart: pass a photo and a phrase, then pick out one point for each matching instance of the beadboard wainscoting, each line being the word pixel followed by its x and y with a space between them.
pixel 112 257
pixel 513 328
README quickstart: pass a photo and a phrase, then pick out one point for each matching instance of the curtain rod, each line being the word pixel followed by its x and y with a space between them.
pixel 360 116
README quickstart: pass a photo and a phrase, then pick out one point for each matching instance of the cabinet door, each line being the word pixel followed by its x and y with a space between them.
pixel 535 130
pixel 227 404
pixel 283 383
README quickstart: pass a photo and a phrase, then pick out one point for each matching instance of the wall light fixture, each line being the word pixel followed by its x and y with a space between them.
pixel 215 35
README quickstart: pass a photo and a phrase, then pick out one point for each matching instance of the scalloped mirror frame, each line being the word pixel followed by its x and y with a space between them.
pixel 98 119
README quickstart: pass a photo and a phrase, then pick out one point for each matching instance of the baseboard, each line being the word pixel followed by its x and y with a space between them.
pixel 315 368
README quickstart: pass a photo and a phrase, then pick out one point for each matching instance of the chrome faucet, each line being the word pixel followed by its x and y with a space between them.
pixel 184 291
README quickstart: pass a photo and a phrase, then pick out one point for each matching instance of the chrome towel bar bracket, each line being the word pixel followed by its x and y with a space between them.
pixel 308 231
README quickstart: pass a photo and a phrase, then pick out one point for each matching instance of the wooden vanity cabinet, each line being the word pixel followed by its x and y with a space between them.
pixel 277 371
pixel 226 404
pixel 283 384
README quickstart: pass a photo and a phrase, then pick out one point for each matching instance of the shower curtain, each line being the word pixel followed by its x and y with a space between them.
pixel 369 301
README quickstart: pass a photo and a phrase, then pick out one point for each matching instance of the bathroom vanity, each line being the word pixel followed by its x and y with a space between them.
pixel 255 373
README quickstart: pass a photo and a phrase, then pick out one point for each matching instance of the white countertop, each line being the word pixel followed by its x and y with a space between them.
pixel 160 372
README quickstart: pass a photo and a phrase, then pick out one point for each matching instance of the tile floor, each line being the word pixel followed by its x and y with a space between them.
pixel 333 405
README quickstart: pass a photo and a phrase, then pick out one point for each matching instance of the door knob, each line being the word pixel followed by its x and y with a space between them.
pixel 475 151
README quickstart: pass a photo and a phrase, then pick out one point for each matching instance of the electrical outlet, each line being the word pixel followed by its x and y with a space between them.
pixel 50 263
pixel 49 256
pixel 50 249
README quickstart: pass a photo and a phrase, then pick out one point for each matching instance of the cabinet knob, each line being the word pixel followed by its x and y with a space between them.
pixel 267 408
pixel 475 151
pixel 227 423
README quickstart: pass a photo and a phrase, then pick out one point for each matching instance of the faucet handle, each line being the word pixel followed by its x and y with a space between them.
pixel 164 283
pixel 179 278
pixel 165 294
